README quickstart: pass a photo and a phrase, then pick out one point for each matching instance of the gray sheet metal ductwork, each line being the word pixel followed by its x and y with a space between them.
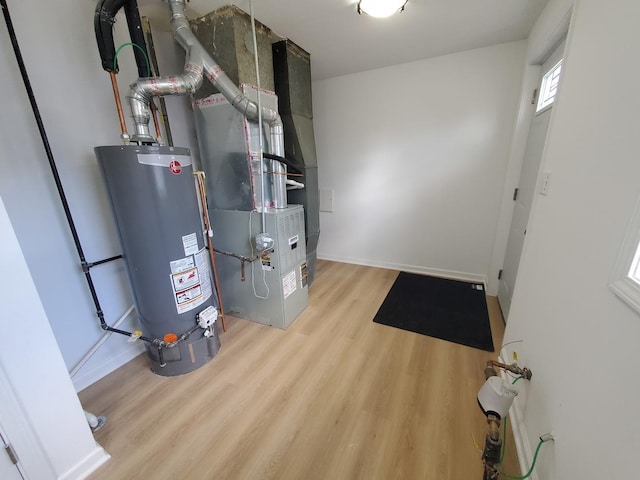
pixel 292 77
pixel 225 33
pixel 229 154
pixel 222 146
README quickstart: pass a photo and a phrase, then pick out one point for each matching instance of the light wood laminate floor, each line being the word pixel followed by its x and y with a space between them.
pixel 335 396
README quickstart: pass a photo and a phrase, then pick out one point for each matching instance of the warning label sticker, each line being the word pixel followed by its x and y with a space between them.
pixel 185 279
pixel 181 265
pixel 191 281
pixel 266 263
pixel 188 297
pixel 190 244
pixel 289 283
pixel 202 262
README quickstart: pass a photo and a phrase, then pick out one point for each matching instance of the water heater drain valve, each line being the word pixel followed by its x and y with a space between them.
pixel 207 317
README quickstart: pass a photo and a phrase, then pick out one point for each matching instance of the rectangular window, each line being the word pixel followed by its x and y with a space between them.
pixel 634 271
pixel 549 87
pixel 625 281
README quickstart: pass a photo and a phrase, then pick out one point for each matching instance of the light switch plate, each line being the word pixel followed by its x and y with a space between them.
pixel 545 183
pixel 326 199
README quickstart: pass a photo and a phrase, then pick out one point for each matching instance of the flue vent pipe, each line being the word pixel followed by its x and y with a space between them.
pixel 198 63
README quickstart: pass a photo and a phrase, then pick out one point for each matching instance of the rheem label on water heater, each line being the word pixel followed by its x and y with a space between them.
pixel 175 167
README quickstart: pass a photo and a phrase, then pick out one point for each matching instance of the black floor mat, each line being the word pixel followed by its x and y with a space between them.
pixel 447 309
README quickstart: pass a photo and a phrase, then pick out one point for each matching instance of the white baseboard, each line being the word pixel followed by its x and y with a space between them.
pixel 91 375
pixel 87 465
pixel 436 272
pixel 520 436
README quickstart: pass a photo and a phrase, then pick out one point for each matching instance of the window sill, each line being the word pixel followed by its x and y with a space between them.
pixel 628 291
pixel 544 109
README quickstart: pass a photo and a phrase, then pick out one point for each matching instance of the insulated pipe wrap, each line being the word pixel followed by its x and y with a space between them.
pixel 103 21
pixel 137 36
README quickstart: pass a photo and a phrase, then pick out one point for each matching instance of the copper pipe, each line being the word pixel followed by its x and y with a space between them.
pixel 492 449
pixel 287 174
pixel 212 255
pixel 154 114
pixel 494 426
pixel 244 259
pixel 513 368
pixel 116 94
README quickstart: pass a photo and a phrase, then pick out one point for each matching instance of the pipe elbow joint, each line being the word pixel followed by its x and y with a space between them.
pixel 271 117
pixel 192 78
pixel 139 101
pixel 138 92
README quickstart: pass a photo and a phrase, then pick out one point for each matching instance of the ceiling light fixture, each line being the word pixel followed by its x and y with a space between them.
pixel 381 8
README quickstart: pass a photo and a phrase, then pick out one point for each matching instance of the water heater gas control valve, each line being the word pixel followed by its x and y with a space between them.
pixel 207 317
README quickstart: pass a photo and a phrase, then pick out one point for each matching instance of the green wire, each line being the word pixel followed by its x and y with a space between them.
pixel 504 447
pixel 504 440
pixel 146 59
pixel 533 464
pixel 504 430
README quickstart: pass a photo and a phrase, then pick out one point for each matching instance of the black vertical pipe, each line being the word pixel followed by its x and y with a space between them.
pixel 52 163
pixel 137 37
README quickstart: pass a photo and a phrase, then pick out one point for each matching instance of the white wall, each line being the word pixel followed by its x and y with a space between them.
pixel 579 339
pixel 76 103
pixel 39 409
pixel 417 155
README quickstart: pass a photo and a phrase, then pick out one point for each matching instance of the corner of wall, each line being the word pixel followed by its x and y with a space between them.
pixel 87 465
pixel 92 375
pixel 436 272
pixel 521 438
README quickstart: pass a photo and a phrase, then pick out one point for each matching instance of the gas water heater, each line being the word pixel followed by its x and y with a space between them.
pixel 157 213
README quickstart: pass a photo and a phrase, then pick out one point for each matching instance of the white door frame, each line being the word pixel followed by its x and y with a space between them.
pixel 33 461
pixel 549 30
pixel 13 470
pixel 528 185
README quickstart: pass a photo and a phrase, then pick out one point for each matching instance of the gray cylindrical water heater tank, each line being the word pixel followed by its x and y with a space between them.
pixel 156 209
